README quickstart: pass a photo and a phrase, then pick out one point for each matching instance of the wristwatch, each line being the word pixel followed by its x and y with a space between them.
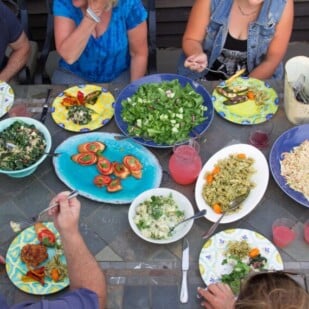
pixel 93 15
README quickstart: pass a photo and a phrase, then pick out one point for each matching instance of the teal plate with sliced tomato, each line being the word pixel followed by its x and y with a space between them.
pixel 81 178
pixel 16 268
pixel 261 107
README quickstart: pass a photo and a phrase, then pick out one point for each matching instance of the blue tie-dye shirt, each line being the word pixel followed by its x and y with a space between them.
pixel 106 57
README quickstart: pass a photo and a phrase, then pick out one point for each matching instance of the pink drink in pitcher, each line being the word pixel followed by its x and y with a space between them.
pixel 185 163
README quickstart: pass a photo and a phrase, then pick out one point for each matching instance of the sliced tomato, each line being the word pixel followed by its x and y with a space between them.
pixel 80 97
pixel 45 235
pixel 69 101
pixel 85 158
pixel 120 170
pixel 102 180
pixel 91 147
pixel 137 174
pixel 132 163
pixel 114 185
pixel 105 166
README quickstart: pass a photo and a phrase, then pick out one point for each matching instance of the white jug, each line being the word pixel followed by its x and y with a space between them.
pixel 297 112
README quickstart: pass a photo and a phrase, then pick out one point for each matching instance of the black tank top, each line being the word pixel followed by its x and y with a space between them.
pixel 232 58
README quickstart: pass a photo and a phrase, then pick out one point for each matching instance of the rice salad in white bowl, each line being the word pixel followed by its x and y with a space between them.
pixel 155 212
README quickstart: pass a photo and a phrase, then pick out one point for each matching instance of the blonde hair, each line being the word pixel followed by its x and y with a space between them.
pixel 272 291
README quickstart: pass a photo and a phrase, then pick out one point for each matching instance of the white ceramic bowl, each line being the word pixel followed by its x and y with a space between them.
pixel 183 204
pixel 41 127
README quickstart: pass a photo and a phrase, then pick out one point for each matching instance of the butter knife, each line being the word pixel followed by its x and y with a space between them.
pixel 185 267
pixel 45 107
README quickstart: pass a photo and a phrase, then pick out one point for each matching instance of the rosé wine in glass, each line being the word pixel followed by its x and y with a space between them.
pixel 283 232
pixel 185 163
pixel 19 110
pixel 283 236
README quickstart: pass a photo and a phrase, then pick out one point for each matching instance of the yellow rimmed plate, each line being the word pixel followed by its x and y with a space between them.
pixel 16 268
pixel 6 98
pixel 103 109
pixel 213 253
pixel 248 112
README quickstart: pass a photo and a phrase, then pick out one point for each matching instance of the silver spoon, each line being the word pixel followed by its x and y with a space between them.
pixel 195 216
pixel 233 205
pixel 10 146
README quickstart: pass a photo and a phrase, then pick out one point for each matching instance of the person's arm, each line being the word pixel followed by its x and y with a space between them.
pixel 70 39
pixel 217 296
pixel 278 45
pixel 138 51
pixel 193 38
pixel 83 270
pixel 18 58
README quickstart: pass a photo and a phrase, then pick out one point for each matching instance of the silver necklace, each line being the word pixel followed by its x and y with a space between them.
pixel 244 13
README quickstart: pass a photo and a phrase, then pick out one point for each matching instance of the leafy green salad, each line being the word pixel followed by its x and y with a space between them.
pixel 243 259
pixel 164 112
pixel 29 145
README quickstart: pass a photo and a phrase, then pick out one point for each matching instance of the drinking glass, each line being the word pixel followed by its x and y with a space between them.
pixel 185 163
pixel 283 232
pixel 19 109
pixel 260 134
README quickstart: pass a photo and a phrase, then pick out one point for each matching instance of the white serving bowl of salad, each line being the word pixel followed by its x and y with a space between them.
pixel 27 151
pixel 154 212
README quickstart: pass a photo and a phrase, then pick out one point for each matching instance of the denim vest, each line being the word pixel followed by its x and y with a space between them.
pixel 260 33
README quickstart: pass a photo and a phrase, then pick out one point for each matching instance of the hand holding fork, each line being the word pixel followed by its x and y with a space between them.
pixel 18 226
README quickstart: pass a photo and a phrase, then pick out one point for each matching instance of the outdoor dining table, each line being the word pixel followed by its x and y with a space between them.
pixel 140 274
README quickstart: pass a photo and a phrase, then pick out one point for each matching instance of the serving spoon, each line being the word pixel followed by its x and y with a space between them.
pixel 10 146
pixel 232 206
pixel 195 216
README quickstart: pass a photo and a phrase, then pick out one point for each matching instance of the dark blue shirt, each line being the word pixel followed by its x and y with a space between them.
pixel 11 30
pixel 78 299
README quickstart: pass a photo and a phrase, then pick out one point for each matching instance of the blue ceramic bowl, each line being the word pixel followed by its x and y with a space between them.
pixel 42 128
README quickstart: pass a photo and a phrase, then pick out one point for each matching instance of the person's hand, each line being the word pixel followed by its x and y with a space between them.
pixel 66 216
pixel 98 6
pixel 196 62
pixel 217 296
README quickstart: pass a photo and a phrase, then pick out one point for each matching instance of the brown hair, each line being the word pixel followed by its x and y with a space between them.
pixel 272 291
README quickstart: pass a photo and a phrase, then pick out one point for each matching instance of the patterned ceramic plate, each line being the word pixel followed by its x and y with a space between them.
pixel 78 177
pixel 212 253
pixel 285 143
pixel 16 268
pixel 248 112
pixel 103 109
pixel 6 98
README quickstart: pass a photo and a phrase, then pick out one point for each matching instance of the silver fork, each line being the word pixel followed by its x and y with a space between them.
pixel 17 226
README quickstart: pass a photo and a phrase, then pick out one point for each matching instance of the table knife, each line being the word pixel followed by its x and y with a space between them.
pixel 185 267
pixel 45 107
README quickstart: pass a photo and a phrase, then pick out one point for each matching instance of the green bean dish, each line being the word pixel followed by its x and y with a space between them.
pixel 29 145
